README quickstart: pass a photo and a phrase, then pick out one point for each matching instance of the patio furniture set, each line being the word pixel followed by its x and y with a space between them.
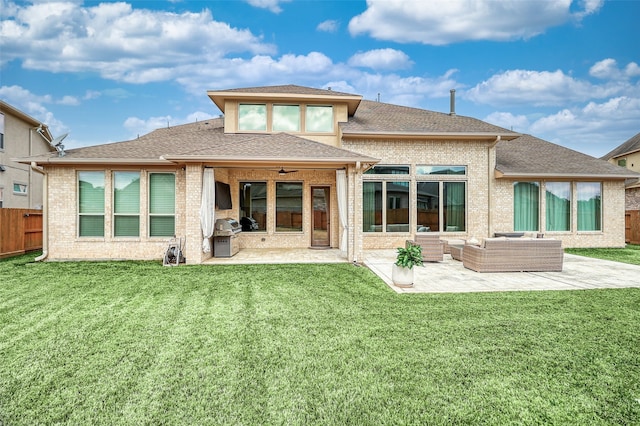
pixel 514 253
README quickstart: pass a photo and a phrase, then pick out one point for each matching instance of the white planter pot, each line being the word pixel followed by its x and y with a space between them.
pixel 402 277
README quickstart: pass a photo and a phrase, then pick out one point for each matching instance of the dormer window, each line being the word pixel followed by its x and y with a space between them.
pixel 286 118
pixel 273 117
pixel 319 118
pixel 252 117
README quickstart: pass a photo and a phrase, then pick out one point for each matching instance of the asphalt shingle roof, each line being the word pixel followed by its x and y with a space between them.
pixel 632 145
pixel 528 155
pixel 289 89
pixel 379 117
pixel 207 139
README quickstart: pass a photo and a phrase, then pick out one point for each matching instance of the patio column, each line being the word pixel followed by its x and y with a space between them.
pixel 192 204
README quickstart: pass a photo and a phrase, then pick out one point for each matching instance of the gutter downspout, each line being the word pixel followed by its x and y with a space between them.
pixel 45 213
pixel 490 176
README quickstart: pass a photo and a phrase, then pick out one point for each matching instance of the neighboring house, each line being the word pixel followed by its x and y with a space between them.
pixel 628 155
pixel 20 185
pixel 319 168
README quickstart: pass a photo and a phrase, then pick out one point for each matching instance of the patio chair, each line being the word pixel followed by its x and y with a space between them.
pixel 432 246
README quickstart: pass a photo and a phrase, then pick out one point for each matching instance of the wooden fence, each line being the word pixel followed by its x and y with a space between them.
pixel 632 226
pixel 20 231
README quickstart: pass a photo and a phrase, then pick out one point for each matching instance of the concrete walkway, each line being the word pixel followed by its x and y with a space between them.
pixel 449 276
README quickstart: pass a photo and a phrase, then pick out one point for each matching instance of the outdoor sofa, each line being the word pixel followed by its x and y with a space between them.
pixel 514 255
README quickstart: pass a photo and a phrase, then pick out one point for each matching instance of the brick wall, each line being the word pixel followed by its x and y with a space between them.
pixel 476 155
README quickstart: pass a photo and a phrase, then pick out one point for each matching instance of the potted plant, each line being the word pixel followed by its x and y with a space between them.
pixel 402 269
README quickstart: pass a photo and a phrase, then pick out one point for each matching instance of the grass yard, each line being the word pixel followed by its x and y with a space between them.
pixel 629 254
pixel 138 343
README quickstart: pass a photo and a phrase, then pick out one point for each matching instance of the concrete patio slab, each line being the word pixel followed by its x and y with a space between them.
pixel 450 276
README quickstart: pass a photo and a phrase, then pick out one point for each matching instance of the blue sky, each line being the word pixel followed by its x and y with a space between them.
pixel 565 71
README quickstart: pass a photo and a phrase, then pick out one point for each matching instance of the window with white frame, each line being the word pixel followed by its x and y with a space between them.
pixel 19 188
pixel 91 204
pixel 526 206
pixel 589 198
pixel 558 206
pixel 1 196
pixel 162 204
pixel 126 204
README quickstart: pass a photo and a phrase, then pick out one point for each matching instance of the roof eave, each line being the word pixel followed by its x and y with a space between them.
pixel 439 135
pixel 262 160
pixel 529 175
pixel 220 97
pixel 64 161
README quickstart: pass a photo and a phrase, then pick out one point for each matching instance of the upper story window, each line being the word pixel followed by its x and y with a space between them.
pixel 319 118
pixel 286 118
pixel 252 117
pixel 19 188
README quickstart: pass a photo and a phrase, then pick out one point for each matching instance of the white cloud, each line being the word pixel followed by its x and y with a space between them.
pixel 540 88
pixel 69 100
pixel 608 69
pixel 117 41
pixel 34 105
pixel 381 59
pixel 440 22
pixel 328 26
pixel 272 5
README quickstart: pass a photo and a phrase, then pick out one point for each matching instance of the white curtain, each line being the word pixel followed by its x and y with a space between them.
pixel 207 209
pixel 341 186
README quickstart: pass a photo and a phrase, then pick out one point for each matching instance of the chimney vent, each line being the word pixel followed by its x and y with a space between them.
pixel 453 102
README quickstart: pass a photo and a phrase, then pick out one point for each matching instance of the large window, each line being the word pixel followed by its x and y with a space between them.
pixel 288 206
pixel 286 118
pixel 392 198
pixel 397 206
pixel 253 203
pixel 252 117
pixel 162 204
pixel 558 206
pixel 126 204
pixel 441 202
pixel 589 195
pixel 526 206
pixel 372 206
pixel 454 206
pixel 319 118
pixel 91 204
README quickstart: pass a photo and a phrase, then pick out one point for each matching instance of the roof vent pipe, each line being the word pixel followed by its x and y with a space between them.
pixel 453 102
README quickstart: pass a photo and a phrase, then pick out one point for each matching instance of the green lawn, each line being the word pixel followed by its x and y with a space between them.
pixel 138 343
pixel 629 254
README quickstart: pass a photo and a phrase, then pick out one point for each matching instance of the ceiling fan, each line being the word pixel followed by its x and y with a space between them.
pixel 282 171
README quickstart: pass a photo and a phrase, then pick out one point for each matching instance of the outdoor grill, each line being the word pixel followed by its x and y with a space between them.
pixel 225 237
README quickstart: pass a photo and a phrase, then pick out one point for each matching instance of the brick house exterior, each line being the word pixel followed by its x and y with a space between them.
pixel 289 150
